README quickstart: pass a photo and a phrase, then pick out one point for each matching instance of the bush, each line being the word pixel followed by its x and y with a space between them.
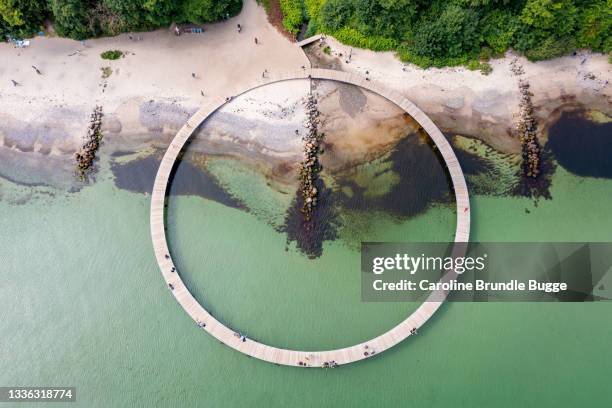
pixel 204 11
pixel 312 28
pixel 485 68
pixel 498 29
pixel 384 18
pixel 313 7
pixel 550 48
pixel 111 54
pixel 451 34
pixel 485 54
pixel 405 54
pixel 293 15
pixel 335 14
pixel 350 36
pixel 473 65
pixel 546 23
pixel 595 30
pixel 71 19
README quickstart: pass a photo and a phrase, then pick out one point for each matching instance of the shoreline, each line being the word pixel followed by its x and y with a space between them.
pixel 153 90
pixel 481 106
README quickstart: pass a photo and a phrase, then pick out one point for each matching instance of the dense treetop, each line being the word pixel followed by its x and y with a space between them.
pixel 81 19
pixel 453 32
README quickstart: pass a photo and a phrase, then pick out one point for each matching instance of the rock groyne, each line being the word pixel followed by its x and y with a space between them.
pixel 312 218
pixel 527 126
pixel 534 182
pixel 86 155
pixel 310 166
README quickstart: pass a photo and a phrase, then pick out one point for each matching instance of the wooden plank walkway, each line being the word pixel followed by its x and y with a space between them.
pixel 309 40
pixel 296 357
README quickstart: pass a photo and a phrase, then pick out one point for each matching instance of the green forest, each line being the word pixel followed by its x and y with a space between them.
pixel 457 32
pixel 427 33
pixel 80 19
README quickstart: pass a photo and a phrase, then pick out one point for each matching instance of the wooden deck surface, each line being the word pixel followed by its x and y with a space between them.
pixel 309 40
pixel 263 351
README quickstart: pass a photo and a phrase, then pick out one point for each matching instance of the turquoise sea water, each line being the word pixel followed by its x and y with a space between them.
pixel 82 303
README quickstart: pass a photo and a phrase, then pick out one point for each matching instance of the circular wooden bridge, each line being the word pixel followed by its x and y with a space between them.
pixel 282 356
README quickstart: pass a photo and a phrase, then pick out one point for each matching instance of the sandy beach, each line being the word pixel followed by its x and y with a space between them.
pixel 482 106
pixel 162 79
pixel 147 97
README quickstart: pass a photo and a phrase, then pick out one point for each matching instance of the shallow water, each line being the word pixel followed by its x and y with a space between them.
pixel 581 146
pixel 83 303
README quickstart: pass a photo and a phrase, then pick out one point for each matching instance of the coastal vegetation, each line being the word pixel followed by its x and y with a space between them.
pixel 459 32
pixel 293 14
pixel 483 66
pixel 426 33
pixel 111 54
pixel 80 19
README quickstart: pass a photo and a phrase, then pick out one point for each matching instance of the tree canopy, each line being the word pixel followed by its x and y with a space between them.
pixel 452 32
pixel 81 19
pixel 22 17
